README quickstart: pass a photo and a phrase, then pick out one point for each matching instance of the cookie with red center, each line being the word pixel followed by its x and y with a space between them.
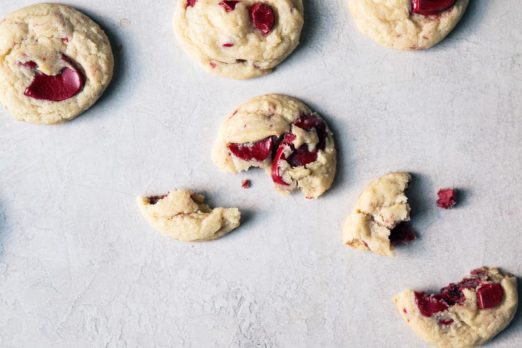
pixel 464 314
pixel 283 136
pixel 377 222
pixel 239 39
pixel 407 24
pixel 183 215
pixel 55 62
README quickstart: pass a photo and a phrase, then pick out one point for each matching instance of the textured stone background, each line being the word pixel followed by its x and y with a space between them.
pixel 79 267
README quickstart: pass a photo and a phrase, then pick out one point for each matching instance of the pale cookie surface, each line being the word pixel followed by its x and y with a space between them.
pixel 462 315
pixel 183 215
pixel 392 23
pixel 55 62
pixel 239 39
pixel 282 135
pixel 380 208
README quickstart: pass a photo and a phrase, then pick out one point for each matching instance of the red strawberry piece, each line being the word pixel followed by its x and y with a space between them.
pixel 489 295
pixel 447 198
pixel 68 83
pixel 259 151
pixel 402 234
pixel 246 184
pixel 431 7
pixel 263 17
pixel 228 45
pixel 228 5
pixel 429 304
pixel 284 147
pixel 190 3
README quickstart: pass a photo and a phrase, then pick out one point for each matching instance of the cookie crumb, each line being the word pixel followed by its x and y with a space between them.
pixel 447 198
pixel 246 184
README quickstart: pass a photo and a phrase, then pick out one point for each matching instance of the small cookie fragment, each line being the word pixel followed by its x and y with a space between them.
pixel 447 198
pixel 55 62
pixel 381 209
pixel 407 24
pixel 239 39
pixel 283 136
pixel 183 215
pixel 464 314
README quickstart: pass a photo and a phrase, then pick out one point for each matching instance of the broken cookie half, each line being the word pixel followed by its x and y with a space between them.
pixel 183 215
pixel 377 222
pixel 464 314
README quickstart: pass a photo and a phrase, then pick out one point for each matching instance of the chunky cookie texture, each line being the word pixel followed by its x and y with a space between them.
pixel 239 39
pixel 183 215
pixel 464 314
pixel 55 62
pixel 283 136
pixel 378 220
pixel 407 24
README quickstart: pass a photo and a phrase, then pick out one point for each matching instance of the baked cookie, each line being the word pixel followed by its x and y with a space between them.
pixel 407 24
pixel 239 39
pixel 462 315
pixel 55 62
pixel 376 222
pixel 283 136
pixel 183 215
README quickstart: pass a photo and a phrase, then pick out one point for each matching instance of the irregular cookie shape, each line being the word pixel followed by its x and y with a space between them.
pixel 239 39
pixel 375 221
pixel 407 24
pixel 466 314
pixel 55 62
pixel 183 215
pixel 283 136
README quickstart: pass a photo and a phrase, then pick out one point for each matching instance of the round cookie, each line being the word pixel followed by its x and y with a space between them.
pixel 55 62
pixel 183 215
pixel 376 222
pixel 407 24
pixel 239 39
pixel 282 135
pixel 465 314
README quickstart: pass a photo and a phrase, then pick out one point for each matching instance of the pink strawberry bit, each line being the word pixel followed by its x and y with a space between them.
pixel 228 5
pixel 445 322
pixel 65 40
pixel 447 198
pixel 263 17
pixel 258 151
pixel 228 44
pixel 489 295
pixel 431 7
pixel 68 83
pixel 155 199
pixel 191 3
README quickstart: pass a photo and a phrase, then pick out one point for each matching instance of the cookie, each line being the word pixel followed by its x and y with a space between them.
pixel 55 62
pixel 239 39
pixel 376 222
pixel 183 215
pixel 465 314
pixel 283 136
pixel 407 24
